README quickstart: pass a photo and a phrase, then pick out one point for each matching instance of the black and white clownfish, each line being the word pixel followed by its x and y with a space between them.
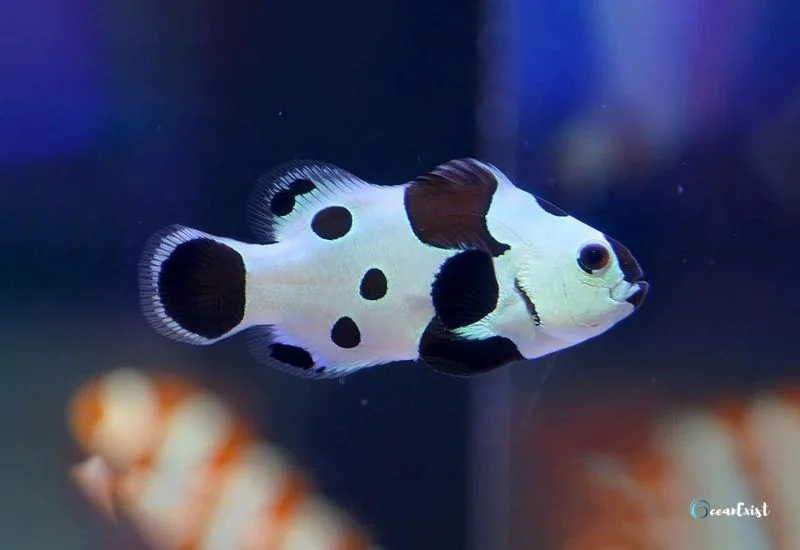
pixel 458 268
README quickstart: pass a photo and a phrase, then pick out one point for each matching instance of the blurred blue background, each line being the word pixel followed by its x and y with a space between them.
pixel 672 125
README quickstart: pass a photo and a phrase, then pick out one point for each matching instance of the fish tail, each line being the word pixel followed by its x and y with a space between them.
pixel 192 285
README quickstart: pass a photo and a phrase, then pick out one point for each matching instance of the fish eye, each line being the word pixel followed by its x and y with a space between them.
pixel 593 257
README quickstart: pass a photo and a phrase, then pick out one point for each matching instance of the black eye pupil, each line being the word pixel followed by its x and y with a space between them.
pixel 593 257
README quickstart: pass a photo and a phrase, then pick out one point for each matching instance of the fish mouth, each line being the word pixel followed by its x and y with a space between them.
pixel 632 292
pixel 631 288
pixel 636 297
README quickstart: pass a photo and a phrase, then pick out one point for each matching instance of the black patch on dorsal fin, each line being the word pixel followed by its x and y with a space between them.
pixel 448 353
pixel 292 189
pixel 283 202
pixel 447 207
pixel 465 290
pixel 292 359
pixel 200 287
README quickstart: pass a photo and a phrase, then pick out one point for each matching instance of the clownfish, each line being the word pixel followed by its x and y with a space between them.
pixel 187 472
pixel 458 268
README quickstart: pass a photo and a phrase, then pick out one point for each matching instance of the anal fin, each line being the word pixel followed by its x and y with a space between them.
pixel 289 358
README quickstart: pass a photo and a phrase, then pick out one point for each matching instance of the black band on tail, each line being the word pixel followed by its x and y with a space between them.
pixel 192 285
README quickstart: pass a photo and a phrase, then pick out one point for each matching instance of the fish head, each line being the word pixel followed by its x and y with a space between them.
pixel 114 416
pixel 581 282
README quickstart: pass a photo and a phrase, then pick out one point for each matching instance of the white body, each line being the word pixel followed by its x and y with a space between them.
pixel 301 284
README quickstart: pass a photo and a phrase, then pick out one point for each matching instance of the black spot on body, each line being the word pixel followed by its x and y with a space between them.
pixel 282 202
pixel 345 333
pixel 373 285
pixel 291 355
pixel 332 223
pixel 465 290
pixel 550 208
pixel 447 207
pixel 202 287
pixel 450 354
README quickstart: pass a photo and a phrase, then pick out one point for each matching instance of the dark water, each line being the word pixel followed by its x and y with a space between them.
pixel 117 119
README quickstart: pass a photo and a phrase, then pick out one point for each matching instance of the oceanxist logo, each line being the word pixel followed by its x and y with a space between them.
pixel 701 509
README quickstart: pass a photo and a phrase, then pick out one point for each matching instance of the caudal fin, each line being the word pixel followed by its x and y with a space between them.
pixel 192 285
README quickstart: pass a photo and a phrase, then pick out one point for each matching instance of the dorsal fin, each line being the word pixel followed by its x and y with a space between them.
pixel 287 358
pixel 286 198
pixel 466 171
pixel 447 207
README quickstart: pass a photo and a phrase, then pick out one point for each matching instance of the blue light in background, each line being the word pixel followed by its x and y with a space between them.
pixel 679 67
pixel 609 89
pixel 556 61
pixel 51 99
